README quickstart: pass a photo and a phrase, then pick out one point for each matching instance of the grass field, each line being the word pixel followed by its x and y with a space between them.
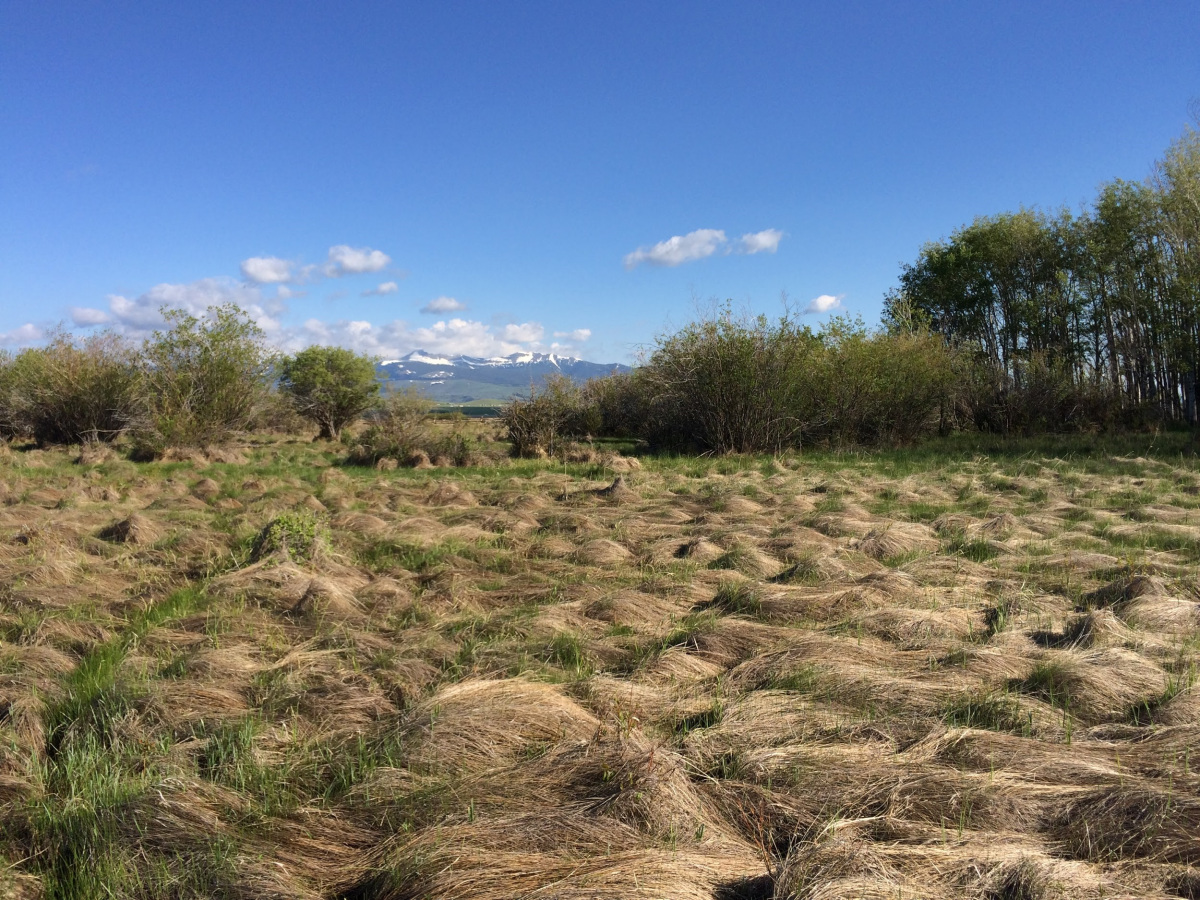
pixel 960 671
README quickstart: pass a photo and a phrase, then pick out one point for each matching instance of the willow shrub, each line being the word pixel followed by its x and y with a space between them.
pixel 732 385
pixel 206 378
pixel 883 388
pixel 71 392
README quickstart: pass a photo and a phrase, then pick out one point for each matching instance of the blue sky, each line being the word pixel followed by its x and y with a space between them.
pixel 492 177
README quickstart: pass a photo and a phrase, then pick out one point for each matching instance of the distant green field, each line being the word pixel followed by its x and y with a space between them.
pixel 476 409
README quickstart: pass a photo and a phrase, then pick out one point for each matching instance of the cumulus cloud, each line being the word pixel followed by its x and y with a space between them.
pixel 449 337
pixel 388 287
pixel 25 334
pixel 85 316
pixel 822 304
pixel 347 260
pixel 525 333
pixel 678 249
pixel 268 270
pixel 443 305
pixel 760 242
pixel 138 316
pixel 702 243
pixel 579 334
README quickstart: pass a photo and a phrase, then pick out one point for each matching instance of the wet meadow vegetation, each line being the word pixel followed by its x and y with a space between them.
pixel 960 669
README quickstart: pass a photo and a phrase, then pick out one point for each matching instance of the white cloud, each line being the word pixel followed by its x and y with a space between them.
pixel 443 305
pixel 286 293
pixel 823 304
pixel 347 260
pixel 760 242
pixel 525 333
pixel 267 270
pixel 25 334
pixel 449 337
pixel 388 287
pixel 579 334
pixel 83 316
pixel 679 249
pixel 141 315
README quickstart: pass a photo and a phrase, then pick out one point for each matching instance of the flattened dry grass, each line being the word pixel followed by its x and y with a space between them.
pixel 917 674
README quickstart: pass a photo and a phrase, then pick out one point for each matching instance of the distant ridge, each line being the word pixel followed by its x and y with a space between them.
pixel 461 379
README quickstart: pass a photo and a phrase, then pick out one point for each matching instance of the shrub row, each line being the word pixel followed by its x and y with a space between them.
pixel 728 384
pixel 195 383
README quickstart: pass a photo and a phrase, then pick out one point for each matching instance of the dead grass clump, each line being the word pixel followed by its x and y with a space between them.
pixel 1099 628
pixel 276 584
pixel 448 493
pixel 896 539
pixel 742 556
pixel 618 491
pixel 699 550
pixel 920 628
pixel 361 523
pixel 136 529
pixel 465 864
pixel 1115 823
pixel 844 865
pixel 475 725
pixel 1162 614
pixel 1182 709
pixel 620 464
pixel 602 552
pixel 1099 685
pixel 327 600
pixel 181 704
pixel 1124 590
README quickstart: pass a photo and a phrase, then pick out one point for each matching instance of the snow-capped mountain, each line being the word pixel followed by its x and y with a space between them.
pixel 460 379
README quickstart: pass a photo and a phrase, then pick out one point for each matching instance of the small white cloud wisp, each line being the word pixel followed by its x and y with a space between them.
pixel 19 337
pixel 679 249
pixel 702 243
pixel 347 260
pixel 388 287
pixel 86 316
pixel 267 270
pixel 823 304
pixel 443 305
pixel 760 242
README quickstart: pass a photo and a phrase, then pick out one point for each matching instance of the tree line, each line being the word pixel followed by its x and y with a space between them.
pixel 1098 313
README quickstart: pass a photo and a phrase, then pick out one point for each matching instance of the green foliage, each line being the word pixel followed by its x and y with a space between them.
pixel 205 377
pixel 1073 323
pixel 299 535
pixel 72 392
pixel 397 429
pixel 539 424
pixel 730 384
pixel 331 386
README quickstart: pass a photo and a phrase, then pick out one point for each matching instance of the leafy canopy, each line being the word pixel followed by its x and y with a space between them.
pixel 331 386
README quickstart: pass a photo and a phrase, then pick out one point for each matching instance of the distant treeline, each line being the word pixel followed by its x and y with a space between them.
pixel 1022 322
pixel 1103 307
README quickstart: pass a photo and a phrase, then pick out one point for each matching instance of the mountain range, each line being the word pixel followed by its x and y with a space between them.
pixel 464 379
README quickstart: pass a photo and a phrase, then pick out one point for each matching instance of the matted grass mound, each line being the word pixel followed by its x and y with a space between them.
pixel 267 675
